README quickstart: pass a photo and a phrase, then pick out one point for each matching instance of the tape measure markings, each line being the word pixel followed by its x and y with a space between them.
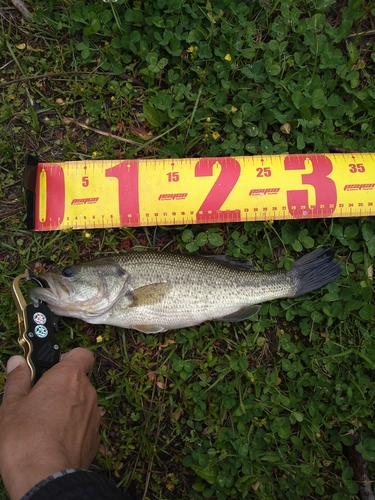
pixel 187 191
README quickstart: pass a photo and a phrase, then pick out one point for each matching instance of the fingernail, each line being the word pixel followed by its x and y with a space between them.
pixel 13 362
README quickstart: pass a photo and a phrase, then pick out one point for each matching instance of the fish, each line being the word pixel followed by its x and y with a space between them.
pixel 155 292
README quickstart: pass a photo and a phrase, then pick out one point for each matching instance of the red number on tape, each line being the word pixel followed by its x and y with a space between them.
pixel 325 188
pixel 50 199
pixel 228 177
pixel 127 175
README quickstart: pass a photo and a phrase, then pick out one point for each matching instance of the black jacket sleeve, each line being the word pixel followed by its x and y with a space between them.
pixel 75 484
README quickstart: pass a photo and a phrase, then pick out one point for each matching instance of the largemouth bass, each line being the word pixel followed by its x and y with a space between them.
pixel 155 292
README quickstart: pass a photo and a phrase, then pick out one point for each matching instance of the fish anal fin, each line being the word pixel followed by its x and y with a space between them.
pixel 241 314
pixel 149 328
pixel 149 294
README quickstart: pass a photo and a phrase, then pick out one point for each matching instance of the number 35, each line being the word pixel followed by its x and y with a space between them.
pixel 356 167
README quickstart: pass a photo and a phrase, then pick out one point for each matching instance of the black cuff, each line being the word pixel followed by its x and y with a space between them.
pixel 73 484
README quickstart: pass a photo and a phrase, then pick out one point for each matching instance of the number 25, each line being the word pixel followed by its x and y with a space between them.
pixel 264 172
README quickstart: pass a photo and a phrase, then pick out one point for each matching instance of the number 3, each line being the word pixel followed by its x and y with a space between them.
pixel 325 188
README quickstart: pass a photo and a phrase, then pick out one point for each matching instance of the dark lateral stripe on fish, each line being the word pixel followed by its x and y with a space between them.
pixel 315 270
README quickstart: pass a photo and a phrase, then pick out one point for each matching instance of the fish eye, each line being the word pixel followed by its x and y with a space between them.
pixel 67 272
pixel 120 272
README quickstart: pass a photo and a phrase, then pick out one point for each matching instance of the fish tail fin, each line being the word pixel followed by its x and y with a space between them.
pixel 315 270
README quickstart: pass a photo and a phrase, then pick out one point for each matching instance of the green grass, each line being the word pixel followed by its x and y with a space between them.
pixel 261 409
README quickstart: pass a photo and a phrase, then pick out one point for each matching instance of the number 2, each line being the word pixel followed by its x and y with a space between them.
pixel 230 172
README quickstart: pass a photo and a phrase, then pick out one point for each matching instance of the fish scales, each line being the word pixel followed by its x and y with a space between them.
pixel 202 288
pixel 158 291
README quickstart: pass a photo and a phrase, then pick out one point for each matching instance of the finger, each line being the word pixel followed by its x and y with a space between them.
pixel 15 361
pixel 18 382
pixel 83 358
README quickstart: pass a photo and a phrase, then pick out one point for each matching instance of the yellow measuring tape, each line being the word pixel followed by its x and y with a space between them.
pixel 113 193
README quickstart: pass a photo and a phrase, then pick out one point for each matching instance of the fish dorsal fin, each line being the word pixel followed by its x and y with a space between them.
pixel 149 328
pixel 241 314
pixel 232 262
pixel 149 294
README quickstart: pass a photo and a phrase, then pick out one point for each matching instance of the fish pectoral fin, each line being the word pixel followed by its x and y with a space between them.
pixel 149 328
pixel 241 314
pixel 149 294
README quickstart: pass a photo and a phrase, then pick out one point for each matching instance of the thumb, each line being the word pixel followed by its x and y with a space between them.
pixel 18 382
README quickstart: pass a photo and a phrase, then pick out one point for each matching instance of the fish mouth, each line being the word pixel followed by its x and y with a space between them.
pixel 61 298
pixel 58 290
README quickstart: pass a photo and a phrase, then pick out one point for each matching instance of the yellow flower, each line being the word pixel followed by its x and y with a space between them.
pixel 87 235
pixel 233 109
pixel 193 51
pixel 216 135
pixel 228 57
pixel 94 154
pixel 99 339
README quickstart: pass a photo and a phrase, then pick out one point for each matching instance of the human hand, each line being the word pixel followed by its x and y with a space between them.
pixel 50 427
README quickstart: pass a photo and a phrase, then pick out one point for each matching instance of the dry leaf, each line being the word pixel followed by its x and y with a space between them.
pixel 285 128
pixel 103 450
pixel 370 272
pixel 255 486
pixel 29 47
pixel 120 127
pixel 325 336
pixel 177 415
pixel 151 376
pixel 38 267
pixel 161 385
pixel 141 132
pixel 167 343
